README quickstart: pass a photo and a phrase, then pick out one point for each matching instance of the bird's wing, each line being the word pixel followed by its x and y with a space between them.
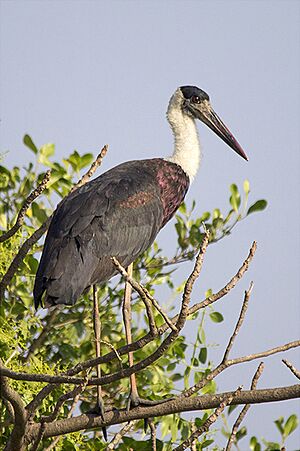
pixel 118 214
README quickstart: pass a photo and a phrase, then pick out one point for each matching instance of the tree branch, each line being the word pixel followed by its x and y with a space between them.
pixel 64 379
pixel 26 246
pixel 143 292
pixel 239 323
pixel 207 424
pixel 292 368
pixel 245 409
pixel 177 405
pixel 94 166
pixel 6 392
pixel 21 215
pixel 118 437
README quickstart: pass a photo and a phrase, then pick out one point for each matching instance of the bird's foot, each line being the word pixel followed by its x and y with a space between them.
pixel 99 410
pixel 135 401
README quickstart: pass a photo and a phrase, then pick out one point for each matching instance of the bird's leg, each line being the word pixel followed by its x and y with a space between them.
pixel 97 332
pixel 127 317
pixel 134 398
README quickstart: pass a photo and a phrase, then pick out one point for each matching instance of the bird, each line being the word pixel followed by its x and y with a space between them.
pixel 120 213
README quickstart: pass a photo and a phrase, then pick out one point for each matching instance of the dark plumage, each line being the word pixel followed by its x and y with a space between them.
pixel 118 214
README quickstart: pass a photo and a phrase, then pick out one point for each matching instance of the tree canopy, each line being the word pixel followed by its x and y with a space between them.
pixel 47 359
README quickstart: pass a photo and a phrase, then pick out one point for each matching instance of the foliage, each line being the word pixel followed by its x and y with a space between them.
pixel 51 343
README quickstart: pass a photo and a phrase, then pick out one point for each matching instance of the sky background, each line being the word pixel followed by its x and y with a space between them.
pixel 82 74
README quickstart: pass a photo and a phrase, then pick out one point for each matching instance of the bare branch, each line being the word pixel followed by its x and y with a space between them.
pixel 239 323
pixel 190 391
pixel 203 402
pixel 230 285
pixel 26 246
pixel 64 379
pixel 245 409
pixel 143 292
pixel 292 368
pixel 207 424
pixel 21 215
pixel 190 283
pixel 94 166
pixel 118 437
pixel 153 434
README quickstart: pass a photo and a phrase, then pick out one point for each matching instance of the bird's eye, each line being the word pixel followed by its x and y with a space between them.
pixel 196 99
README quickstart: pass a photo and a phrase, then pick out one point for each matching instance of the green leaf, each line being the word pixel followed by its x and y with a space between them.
pixel 231 408
pixel 246 186
pixel 273 446
pixel 205 216
pixel 182 208
pixel 217 213
pixel 234 189
pixel 47 150
pixel 203 355
pixel 241 433
pixel 216 317
pixel 279 424
pixel 38 212
pixel 257 206
pixel 254 444
pixel 30 144
pixel 186 376
pixel 290 425
pixel 208 293
pixel 235 198
pixel 85 160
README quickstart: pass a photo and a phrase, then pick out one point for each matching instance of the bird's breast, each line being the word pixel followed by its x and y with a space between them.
pixel 173 183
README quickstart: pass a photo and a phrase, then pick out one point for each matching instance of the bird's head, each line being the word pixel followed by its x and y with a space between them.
pixel 194 103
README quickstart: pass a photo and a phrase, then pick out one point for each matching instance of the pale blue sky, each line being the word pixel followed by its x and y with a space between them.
pixel 81 74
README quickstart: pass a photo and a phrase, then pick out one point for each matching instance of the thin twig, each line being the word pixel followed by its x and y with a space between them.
pixel 94 166
pixel 208 422
pixel 70 413
pixel 153 434
pixel 26 246
pixel 186 297
pixel 142 291
pixel 224 363
pixel 292 368
pixel 245 409
pixel 115 351
pixel 21 215
pixel 109 378
pixel 239 322
pixel 119 435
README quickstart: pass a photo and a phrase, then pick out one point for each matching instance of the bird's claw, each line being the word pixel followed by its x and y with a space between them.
pixel 99 411
pixel 135 401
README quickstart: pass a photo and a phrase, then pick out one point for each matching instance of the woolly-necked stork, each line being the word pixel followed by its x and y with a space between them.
pixel 119 213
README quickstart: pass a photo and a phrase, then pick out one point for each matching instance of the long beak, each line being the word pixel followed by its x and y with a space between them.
pixel 212 120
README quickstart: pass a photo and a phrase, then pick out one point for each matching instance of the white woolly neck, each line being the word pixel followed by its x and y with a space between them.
pixel 187 150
